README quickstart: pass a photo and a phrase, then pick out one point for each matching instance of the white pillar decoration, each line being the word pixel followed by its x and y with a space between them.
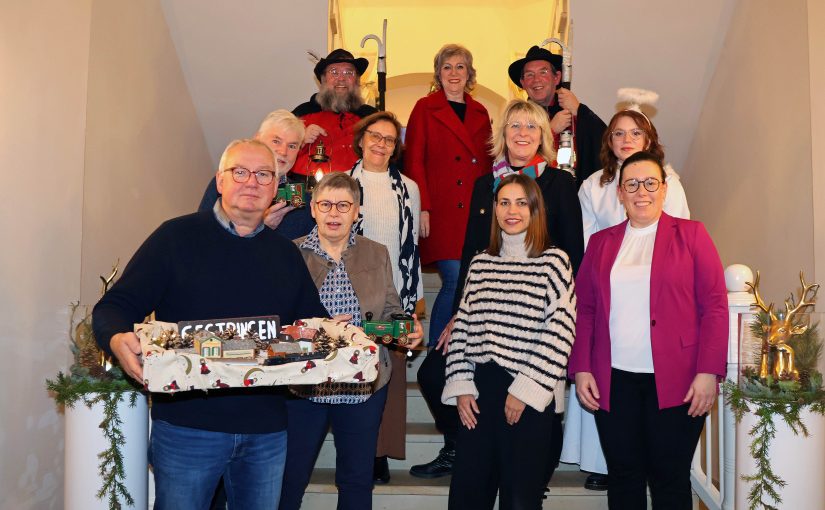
pixel 85 440
pixel 798 460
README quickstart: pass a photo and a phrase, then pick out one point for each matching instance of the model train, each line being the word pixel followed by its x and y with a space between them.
pixel 291 192
pixel 397 329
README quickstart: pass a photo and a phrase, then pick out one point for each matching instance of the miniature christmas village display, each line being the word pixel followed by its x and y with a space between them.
pixel 227 353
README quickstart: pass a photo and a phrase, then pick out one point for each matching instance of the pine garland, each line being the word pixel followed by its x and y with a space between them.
pixel 772 400
pixel 90 383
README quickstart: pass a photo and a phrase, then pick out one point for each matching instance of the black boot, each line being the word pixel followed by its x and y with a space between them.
pixel 438 467
pixel 381 471
pixel 596 482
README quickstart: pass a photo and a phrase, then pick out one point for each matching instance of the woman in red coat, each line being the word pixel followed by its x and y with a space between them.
pixel 446 150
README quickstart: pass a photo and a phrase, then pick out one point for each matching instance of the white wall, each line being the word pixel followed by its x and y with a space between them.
pixel 146 157
pixel 44 49
pixel 816 59
pixel 668 46
pixel 750 168
pixel 244 58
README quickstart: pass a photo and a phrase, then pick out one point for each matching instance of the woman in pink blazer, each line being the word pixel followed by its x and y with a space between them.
pixel 651 340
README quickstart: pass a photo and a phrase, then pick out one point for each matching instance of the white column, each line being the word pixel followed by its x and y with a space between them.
pixel 798 460
pixel 85 440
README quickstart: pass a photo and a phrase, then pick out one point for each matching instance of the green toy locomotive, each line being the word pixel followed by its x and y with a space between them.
pixel 398 329
pixel 292 192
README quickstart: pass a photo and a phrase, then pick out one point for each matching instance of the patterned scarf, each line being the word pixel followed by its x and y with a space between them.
pixel 501 169
pixel 409 259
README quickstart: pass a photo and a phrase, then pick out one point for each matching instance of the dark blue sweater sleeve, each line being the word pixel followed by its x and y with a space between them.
pixel 136 294
pixel 309 302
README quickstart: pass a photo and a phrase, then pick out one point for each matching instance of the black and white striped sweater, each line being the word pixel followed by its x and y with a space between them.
pixel 519 313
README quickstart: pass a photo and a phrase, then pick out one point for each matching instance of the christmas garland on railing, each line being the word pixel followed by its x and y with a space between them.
pixel 771 400
pixel 765 482
pixel 91 383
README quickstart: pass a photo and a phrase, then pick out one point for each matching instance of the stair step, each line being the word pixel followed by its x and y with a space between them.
pixel 423 444
pixel 417 409
pixel 413 363
pixel 566 492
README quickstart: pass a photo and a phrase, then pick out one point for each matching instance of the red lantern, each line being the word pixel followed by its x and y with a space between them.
pixel 317 166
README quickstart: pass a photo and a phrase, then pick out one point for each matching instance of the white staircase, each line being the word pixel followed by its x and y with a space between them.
pixel 405 492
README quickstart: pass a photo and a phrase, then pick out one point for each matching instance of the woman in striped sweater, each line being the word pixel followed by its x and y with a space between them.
pixel 508 355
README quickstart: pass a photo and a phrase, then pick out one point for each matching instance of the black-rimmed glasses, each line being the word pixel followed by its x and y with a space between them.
pixel 651 184
pixel 241 175
pixel 326 206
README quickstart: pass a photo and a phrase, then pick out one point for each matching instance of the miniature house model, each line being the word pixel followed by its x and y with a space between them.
pixel 211 347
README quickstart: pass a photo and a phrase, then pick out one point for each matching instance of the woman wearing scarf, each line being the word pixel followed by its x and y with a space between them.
pixel 389 214
pixel 523 144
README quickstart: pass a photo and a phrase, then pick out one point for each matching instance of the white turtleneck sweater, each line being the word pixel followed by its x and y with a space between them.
pixel 519 313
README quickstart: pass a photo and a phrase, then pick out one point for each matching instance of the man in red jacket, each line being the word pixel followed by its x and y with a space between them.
pixel 331 113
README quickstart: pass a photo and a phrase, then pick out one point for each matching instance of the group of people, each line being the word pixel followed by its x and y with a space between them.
pixel 594 275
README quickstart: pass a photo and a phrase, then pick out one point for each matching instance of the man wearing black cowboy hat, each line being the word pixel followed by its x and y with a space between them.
pixel 539 73
pixel 331 113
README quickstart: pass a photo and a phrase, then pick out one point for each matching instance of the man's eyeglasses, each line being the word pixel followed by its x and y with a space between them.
pixel 632 185
pixel 326 206
pixel 376 137
pixel 241 175
pixel 635 134
pixel 531 75
pixel 346 73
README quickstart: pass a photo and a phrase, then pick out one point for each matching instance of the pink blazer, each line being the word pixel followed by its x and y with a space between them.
pixel 688 309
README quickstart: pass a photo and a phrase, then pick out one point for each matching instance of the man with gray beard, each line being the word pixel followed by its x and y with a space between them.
pixel 330 114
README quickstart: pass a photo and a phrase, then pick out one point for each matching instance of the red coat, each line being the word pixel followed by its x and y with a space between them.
pixel 444 157
pixel 688 309
pixel 339 128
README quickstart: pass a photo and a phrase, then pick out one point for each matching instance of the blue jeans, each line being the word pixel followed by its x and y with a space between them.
pixel 188 463
pixel 355 430
pixel 443 306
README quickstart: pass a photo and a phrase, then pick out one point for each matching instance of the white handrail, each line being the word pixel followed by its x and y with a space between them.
pixel 721 496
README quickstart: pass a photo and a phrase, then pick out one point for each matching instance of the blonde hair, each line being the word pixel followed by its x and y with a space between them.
pixel 536 115
pixel 452 50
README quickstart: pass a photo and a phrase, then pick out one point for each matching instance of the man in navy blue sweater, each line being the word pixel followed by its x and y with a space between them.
pixel 218 263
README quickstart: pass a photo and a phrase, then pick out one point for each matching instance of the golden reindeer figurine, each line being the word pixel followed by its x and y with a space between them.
pixel 775 348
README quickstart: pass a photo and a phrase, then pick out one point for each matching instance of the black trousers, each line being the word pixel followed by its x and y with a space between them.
pixel 495 457
pixel 645 445
pixel 431 380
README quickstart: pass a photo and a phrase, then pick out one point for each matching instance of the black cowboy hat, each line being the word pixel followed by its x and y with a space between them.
pixel 534 53
pixel 340 56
